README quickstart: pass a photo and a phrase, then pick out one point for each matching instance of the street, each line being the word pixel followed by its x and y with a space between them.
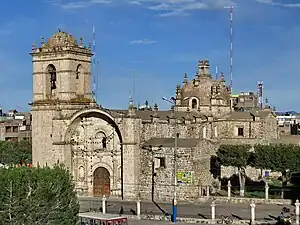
pixel 188 210
pixel 149 222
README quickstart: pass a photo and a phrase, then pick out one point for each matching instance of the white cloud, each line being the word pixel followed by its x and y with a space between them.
pixel 165 7
pixel 142 42
pixel 278 3
pixel 182 7
pixel 73 5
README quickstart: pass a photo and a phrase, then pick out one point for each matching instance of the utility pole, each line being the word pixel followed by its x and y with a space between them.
pixel 231 43
pixel 172 101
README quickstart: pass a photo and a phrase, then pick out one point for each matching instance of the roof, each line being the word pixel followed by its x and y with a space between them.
pixel 61 39
pixel 238 141
pixel 100 216
pixel 170 142
pixel 163 115
pixel 246 115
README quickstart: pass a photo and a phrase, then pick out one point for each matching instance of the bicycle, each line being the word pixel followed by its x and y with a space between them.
pixel 225 220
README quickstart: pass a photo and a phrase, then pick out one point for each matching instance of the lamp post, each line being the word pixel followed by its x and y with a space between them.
pixel 172 101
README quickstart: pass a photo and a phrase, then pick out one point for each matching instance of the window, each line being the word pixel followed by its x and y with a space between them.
pixel 79 79
pixel 77 72
pixel 7 129
pixel 194 103
pixel 104 142
pixel 204 132
pixel 218 90
pixel 240 131
pixel 15 129
pixel 159 162
pixel 52 72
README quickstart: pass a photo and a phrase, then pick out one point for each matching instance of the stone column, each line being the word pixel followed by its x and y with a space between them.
pixel 267 191
pixel 138 208
pixel 207 191
pixel 297 204
pixel 229 189
pixel 213 210
pixel 103 204
pixel 252 212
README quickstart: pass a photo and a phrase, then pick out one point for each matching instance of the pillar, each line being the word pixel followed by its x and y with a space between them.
pixel 103 204
pixel 267 191
pixel 229 189
pixel 213 210
pixel 207 191
pixel 252 212
pixel 138 208
pixel 297 204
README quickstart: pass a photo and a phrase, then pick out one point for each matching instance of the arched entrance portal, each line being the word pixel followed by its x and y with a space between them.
pixel 101 182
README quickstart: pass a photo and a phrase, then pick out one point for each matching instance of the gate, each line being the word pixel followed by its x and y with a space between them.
pixel 101 182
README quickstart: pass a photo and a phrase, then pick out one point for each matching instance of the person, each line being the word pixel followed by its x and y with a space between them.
pixel 281 218
pixel 121 210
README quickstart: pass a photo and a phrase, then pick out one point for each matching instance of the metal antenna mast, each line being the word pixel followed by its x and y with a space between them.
pixel 231 42
pixel 133 94
pixel 260 86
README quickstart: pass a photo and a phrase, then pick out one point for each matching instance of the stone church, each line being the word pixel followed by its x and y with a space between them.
pixel 133 153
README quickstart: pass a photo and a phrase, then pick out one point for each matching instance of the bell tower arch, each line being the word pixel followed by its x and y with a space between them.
pixel 61 86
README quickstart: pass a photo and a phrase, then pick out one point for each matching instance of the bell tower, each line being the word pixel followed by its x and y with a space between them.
pixel 61 69
pixel 61 86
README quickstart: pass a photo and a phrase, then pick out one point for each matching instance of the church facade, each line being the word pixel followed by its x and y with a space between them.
pixel 133 153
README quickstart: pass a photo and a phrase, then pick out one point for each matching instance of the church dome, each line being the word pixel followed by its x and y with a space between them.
pixel 61 39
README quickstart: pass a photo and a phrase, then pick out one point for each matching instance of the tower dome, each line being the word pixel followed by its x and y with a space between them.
pixel 61 39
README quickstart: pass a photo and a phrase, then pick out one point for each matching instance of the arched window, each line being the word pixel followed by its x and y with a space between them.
pixel 51 79
pixel 101 140
pixel 78 71
pixel 194 103
pixel 79 79
pixel 104 142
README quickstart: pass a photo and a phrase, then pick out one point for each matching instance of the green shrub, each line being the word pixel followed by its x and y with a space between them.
pixel 37 196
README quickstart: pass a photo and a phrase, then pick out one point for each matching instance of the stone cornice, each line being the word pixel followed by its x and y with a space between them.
pixel 51 51
pixel 60 59
pixel 51 104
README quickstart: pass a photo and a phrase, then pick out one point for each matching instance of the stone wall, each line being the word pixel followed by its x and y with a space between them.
pixel 194 160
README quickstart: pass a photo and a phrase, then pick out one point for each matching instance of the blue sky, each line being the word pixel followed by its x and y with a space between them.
pixel 157 41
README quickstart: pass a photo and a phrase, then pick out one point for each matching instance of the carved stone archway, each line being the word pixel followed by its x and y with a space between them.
pixel 101 182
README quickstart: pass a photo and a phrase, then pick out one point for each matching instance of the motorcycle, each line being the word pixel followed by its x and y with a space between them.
pixel 287 221
pixel 284 221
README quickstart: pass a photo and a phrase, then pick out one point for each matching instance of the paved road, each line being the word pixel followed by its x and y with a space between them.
pixel 149 222
pixel 201 210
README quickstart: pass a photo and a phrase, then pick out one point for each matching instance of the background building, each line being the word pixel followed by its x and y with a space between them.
pixel 15 126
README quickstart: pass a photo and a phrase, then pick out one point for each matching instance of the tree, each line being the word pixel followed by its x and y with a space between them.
pixel 12 153
pixel 37 196
pixel 237 156
pixel 282 158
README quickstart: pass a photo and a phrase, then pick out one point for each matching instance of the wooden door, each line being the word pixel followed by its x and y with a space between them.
pixel 101 182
